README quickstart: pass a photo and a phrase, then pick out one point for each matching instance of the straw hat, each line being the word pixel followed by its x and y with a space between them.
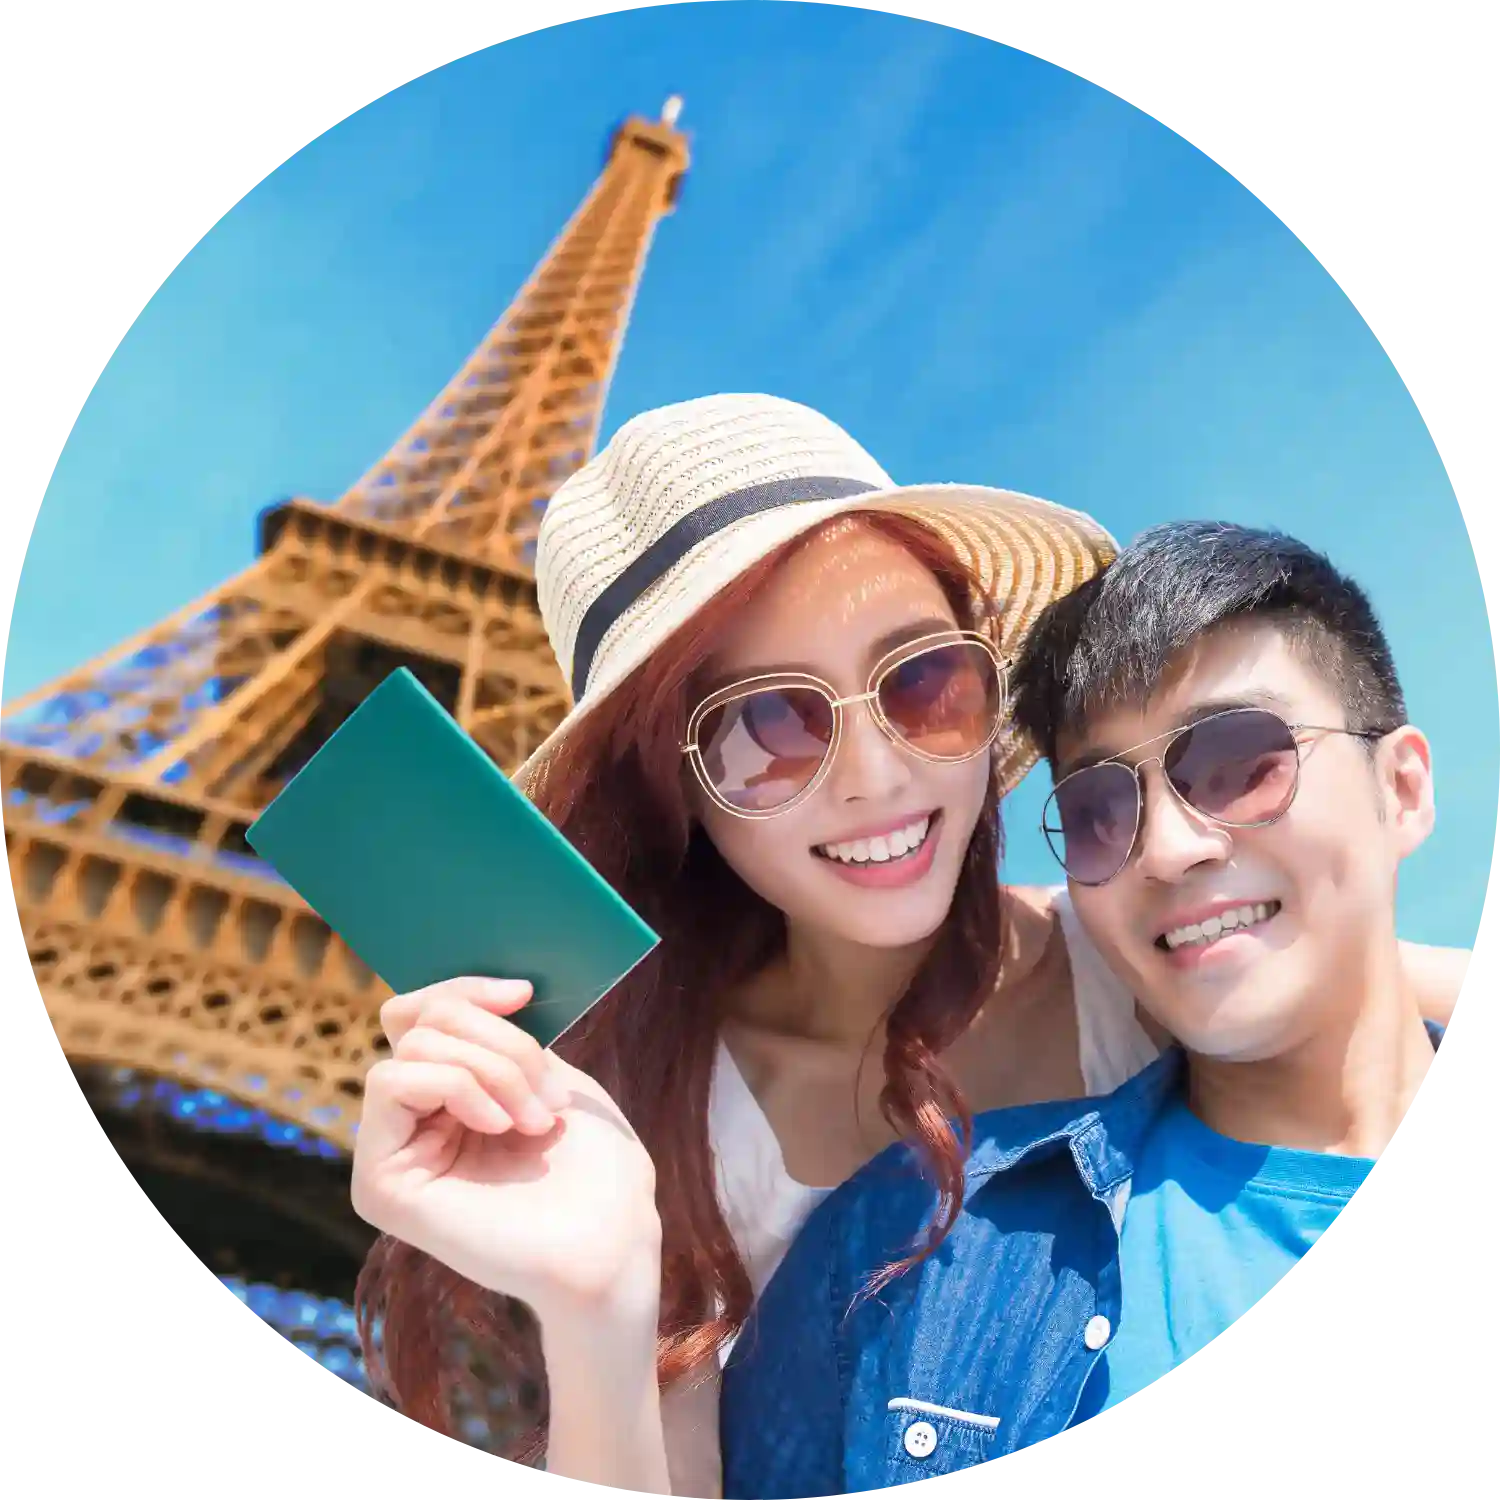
pixel 686 498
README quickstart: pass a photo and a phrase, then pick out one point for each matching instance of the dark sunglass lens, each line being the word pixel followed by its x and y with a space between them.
pixel 1091 821
pixel 944 702
pixel 762 750
pixel 1238 768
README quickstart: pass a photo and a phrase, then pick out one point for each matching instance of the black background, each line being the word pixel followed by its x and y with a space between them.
pixel 128 1368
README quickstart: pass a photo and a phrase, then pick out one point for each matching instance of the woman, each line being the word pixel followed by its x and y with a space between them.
pixel 788 753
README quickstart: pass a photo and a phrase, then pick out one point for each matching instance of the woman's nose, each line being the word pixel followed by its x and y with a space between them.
pixel 867 766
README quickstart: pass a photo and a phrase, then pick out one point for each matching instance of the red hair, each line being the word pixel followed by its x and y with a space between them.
pixel 616 788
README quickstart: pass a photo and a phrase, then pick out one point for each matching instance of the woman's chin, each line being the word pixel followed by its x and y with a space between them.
pixel 900 924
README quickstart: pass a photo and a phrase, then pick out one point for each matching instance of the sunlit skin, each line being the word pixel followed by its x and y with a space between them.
pixel 1281 1016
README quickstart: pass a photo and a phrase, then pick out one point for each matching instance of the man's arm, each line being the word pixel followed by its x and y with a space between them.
pixel 781 1411
pixel 1436 975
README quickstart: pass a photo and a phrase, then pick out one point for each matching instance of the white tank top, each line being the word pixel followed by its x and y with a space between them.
pixel 765 1206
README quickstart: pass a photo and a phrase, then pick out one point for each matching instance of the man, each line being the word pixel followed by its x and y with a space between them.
pixel 1235 788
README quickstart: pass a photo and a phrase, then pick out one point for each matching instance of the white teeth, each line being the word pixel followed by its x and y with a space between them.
pixel 1200 934
pixel 880 850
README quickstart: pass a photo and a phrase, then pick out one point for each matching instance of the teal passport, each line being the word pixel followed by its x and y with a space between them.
pixel 417 850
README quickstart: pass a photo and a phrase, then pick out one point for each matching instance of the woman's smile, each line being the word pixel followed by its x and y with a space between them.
pixel 897 855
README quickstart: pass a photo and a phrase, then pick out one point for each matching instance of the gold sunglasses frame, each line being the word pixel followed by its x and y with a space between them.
pixel 749 686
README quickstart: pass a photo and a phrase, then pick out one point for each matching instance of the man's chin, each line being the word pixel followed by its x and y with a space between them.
pixel 1248 1032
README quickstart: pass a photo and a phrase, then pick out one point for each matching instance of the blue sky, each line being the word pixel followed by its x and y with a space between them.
pixel 984 267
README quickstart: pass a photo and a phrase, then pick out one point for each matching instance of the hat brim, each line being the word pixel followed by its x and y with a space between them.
pixel 1022 552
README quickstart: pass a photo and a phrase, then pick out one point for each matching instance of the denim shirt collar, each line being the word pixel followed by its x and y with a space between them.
pixel 1103 1135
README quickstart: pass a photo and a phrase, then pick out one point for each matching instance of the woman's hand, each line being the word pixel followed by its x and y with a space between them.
pixel 501 1161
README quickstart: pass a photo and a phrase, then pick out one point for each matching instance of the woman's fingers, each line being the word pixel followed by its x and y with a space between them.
pixel 399 1096
pixel 450 1008
pixel 467 1022
pixel 500 997
pixel 498 1073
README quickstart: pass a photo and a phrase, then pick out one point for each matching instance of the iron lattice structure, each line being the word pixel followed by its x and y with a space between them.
pixel 161 945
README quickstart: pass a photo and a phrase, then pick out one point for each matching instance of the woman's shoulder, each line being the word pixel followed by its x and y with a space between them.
pixel 1040 900
pixel 1032 927
pixel 1114 1039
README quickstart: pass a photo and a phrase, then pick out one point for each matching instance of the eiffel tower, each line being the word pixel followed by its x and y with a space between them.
pixel 202 1005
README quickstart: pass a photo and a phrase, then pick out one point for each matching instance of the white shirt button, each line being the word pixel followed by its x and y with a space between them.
pixel 1096 1333
pixel 920 1439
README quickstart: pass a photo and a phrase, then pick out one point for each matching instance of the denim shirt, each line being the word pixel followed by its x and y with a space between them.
pixel 983 1349
pixel 1020 1298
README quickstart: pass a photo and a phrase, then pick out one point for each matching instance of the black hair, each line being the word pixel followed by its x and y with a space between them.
pixel 1113 640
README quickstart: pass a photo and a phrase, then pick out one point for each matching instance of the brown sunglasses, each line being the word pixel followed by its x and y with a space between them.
pixel 760 746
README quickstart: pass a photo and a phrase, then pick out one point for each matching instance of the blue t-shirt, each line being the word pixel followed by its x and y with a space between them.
pixel 1211 1226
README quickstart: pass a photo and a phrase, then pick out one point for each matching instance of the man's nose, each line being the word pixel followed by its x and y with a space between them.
pixel 1175 839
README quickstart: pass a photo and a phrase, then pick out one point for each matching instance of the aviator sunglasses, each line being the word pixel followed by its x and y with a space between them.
pixel 1239 768
pixel 762 745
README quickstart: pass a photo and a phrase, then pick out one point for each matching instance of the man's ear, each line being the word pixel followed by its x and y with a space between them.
pixel 1405 763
